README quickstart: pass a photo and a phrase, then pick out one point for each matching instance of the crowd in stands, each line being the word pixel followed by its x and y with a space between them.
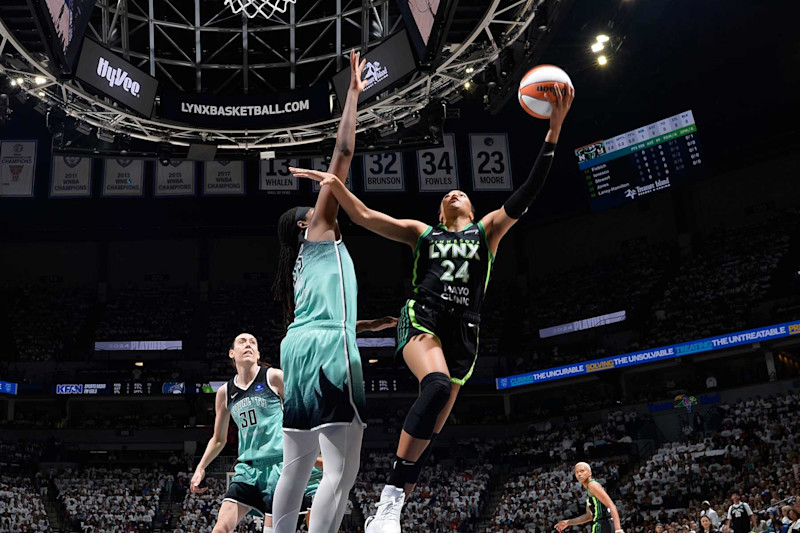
pixel 535 500
pixel 44 319
pixel 112 499
pixel 199 512
pixel 445 499
pixel 136 313
pixel 713 291
pixel 21 508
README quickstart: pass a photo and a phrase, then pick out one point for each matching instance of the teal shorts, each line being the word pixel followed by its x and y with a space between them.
pixel 323 377
pixel 253 485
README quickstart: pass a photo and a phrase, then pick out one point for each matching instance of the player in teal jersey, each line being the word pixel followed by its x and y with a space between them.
pixel 253 399
pixel 437 333
pixel 324 384
pixel 600 508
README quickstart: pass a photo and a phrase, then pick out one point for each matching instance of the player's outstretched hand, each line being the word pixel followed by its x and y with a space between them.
pixel 324 178
pixel 561 526
pixel 561 101
pixel 356 68
pixel 197 478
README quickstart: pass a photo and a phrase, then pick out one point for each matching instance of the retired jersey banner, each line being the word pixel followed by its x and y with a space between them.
pixel 274 176
pixel 71 177
pixel 175 179
pixel 17 168
pixel 438 171
pixel 491 168
pixel 223 178
pixel 123 177
pixel 319 163
pixel 384 172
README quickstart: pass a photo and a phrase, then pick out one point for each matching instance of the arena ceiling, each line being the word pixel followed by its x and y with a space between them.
pixel 201 47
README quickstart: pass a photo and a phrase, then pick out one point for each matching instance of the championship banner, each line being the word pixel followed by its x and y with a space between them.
pixel 174 179
pixel 491 167
pixel 275 178
pixel 123 177
pixel 438 169
pixel 652 355
pixel 319 163
pixel 17 168
pixel 223 178
pixel 71 177
pixel 384 172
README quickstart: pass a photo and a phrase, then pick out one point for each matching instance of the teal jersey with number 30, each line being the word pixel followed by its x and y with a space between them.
pixel 258 413
pixel 452 268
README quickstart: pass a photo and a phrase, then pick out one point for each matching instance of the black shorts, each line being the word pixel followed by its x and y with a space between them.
pixel 456 330
pixel 250 496
pixel 602 526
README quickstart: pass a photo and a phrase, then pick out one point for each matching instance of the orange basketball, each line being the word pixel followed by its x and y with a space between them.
pixel 537 89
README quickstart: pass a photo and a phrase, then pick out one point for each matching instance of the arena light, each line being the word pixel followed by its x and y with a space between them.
pixel 19 81
pixel 40 94
pixel 138 363
pixel 13 83
pixel 373 361
pixel 40 80
pixel 596 47
pixel 470 70
pixel 467 85
pixel 602 38
pixel 602 60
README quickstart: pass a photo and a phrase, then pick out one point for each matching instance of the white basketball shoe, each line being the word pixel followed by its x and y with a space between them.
pixel 387 517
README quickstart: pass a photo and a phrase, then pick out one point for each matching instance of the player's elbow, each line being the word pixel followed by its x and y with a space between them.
pixel 344 149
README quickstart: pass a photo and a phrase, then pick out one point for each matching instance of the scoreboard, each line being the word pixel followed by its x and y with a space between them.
pixel 640 162
pixel 132 388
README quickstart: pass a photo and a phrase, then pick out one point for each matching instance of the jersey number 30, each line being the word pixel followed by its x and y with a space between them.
pixel 449 267
pixel 248 418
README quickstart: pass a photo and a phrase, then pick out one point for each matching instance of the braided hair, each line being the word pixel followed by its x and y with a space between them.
pixel 283 286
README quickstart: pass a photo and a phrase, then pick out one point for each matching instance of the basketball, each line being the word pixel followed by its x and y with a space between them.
pixel 536 89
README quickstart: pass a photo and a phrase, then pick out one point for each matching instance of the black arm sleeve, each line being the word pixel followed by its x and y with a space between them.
pixel 523 197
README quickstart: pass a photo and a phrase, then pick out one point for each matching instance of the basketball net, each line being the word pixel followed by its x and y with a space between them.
pixel 255 8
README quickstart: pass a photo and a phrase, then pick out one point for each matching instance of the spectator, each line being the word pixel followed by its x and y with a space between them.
pixel 709 512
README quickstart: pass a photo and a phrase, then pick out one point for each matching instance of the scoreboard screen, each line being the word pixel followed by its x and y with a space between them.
pixel 640 162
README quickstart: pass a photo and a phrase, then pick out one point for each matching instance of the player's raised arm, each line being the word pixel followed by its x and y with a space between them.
pixel 321 226
pixel 400 230
pixel 498 222
pixel 217 441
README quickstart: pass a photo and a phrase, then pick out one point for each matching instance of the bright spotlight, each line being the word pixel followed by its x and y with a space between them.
pixel 40 94
pixel 596 47
pixel 467 85
pixel 19 81
pixel 602 38
pixel 13 83
pixel 602 60
pixel 40 80
pixel 470 70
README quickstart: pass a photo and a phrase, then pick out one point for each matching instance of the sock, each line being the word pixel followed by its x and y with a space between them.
pixel 401 471
pixel 268 529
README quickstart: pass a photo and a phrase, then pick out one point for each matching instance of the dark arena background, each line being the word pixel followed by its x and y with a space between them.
pixel 642 317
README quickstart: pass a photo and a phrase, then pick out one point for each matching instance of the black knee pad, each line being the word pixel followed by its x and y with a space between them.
pixel 434 394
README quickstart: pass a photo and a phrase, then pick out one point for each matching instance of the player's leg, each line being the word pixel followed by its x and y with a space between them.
pixel 424 357
pixel 341 451
pixel 300 449
pixel 230 514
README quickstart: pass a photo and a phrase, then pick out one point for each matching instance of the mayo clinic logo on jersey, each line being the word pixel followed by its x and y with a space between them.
pixel 117 77
pixel 69 389
pixel 374 73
